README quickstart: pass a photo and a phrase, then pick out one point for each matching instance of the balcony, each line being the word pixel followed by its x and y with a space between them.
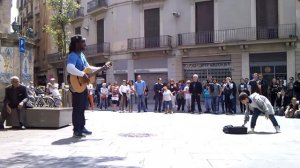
pixel 249 34
pixel 55 58
pixel 96 6
pixel 97 49
pixel 79 15
pixel 147 44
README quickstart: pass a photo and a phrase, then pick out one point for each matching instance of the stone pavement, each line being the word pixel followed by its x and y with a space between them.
pixel 154 140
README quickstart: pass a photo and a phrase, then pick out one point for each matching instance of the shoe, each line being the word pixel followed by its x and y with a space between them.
pixel 23 127
pixel 277 128
pixel 251 131
pixel 78 135
pixel 86 132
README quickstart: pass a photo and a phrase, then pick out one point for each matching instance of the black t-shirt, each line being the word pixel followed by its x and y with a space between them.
pixel 274 89
pixel 297 86
pixel 253 84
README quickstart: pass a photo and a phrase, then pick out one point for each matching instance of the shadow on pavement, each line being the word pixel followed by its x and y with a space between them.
pixel 264 133
pixel 67 141
pixel 27 160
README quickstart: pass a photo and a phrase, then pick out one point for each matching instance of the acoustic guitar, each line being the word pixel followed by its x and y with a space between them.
pixel 78 84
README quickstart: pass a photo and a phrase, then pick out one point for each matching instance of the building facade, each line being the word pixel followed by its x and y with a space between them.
pixel 174 39
pixel 12 62
pixel 5 9
pixel 33 16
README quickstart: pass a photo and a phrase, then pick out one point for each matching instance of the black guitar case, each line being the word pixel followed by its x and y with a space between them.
pixel 229 129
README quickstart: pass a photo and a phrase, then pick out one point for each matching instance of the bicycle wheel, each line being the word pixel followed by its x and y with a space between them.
pixel 57 102
pixel 49 101
pixel 40 103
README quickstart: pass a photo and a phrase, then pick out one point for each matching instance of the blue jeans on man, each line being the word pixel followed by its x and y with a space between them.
pixel 79 105
pixel 256 113
pixel 141 103
pixel 158 102
pixel 215 104
pixel 233 104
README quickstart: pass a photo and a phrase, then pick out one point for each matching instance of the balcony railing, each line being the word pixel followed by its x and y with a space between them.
pixel 103 48
pixel 285 31
pixel 164 41
pixel 95 4
pixel 55 57
pixel 79 13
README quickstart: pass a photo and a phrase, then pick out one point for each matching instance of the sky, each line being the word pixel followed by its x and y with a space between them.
pixel 14 11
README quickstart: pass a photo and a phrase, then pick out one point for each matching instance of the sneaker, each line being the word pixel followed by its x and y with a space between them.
pixel 277 128
pixel 251 131
pixel 86 132
pixel 78 135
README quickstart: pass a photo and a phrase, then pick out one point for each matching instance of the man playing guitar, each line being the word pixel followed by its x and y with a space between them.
pixel 75 66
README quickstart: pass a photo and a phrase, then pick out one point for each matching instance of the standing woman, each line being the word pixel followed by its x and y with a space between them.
pixel 90 89
pixel 173 89
pixel 273 91
pixel 243 88
pixel 130 95
pixel 222 96
pixel 114 96
pixel 180 96
pixel 228 95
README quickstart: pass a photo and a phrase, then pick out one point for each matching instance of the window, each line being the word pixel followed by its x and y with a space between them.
pixel 78 30
pixel 151 28
pixel 267 19
pixel 205 22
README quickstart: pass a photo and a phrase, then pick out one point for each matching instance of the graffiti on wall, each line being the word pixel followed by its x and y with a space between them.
pixel 26 66
pixel 6 64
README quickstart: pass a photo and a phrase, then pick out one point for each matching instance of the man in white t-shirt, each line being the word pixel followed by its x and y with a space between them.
pixel 52 88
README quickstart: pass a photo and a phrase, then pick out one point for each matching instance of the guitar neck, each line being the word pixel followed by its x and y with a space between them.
pixel 97 71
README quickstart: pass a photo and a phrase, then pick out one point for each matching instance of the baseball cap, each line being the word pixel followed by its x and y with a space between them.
pixel 77 38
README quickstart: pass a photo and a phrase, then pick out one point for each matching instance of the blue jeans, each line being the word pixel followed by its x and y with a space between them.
pixel 141 103
pixel 233 104
pixel 158 101
pixel 168 105
pixel 255 115
pixel 221 99
pixel 207 102
pixel 215 103
pixel 104 103
pixel 79 104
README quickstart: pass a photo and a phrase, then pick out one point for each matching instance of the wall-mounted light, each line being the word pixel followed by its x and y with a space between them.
pixel 86 28
pixel 176 14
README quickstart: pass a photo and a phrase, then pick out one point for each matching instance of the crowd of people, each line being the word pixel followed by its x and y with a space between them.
pixel 183 96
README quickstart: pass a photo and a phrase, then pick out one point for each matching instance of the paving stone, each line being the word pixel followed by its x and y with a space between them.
pixel 154 140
